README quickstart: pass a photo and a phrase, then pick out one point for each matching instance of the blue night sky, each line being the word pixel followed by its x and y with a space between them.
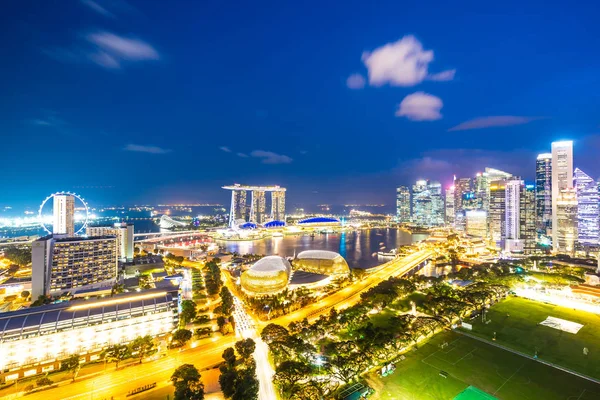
pixel 155 101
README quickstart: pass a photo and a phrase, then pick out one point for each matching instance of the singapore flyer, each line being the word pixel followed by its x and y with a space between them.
pixel 79 219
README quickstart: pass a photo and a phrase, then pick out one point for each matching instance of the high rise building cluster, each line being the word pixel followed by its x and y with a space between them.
pixel 561 209
pixel 256 211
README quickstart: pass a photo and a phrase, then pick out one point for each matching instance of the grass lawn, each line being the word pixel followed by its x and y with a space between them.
pixel 515 321
pixel 468 362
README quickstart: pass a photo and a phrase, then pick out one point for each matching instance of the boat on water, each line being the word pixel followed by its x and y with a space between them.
pixel 390 254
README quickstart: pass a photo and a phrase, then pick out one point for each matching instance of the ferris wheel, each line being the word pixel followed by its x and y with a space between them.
pixel 76 196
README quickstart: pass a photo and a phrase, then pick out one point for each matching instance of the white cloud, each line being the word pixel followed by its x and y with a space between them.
pixel 355 81
pixel 268 157
pixel 122 47
pixel 225 149
pixel 447 75
pixel 493 121
pixel 146 149
pixel 243 155
pixel 97 8
pixel 420 106
pixel 107 50
pixel 105 60
pixel 401 63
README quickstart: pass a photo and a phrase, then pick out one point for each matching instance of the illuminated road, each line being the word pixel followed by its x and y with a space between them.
pixel 246 328
pixel 118 383
pixel 351 295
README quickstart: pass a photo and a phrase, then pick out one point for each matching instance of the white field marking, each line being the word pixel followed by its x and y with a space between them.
pixel 506 381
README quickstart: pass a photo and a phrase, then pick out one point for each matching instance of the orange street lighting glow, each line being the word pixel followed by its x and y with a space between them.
pixel 117 301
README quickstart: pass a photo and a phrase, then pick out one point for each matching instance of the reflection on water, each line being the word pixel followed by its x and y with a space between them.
pixel 359 248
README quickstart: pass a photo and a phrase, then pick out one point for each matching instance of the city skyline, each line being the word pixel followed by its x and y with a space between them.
pixel 83 92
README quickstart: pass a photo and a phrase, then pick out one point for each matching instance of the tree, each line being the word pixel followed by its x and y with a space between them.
pixel 41 300
pixel 20 256
pixel 71 364
pixel 273 332
pixel 142 345
pixel 246 385
pixel 116 289
pixel 188 385
pixel 227 380
pixel 222 322
pixel 116 353
pixel 245 348
pixel 182 336
pixel 203 319
pixel 188 312
pixel 202 332
pixel 288 374
pixel 25 294
pixel 44 381
pixel 226 301
pixel 229 356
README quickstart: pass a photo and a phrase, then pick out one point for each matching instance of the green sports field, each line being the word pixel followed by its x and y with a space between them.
pixel 516 323
pixel 467 362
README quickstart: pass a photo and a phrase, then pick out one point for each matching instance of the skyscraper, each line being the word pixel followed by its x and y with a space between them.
pixel 462 187
pixel 428 204
pixel 543 193
pixel 564 227
pixel 403 204
pixel 497 213
pixel 588 229
pixel 562 178
pixel 258 207
pixel 278 206
pixel 528 231
pixel 449 207
pixel 64 215
pixel 257 212
pixel 512 224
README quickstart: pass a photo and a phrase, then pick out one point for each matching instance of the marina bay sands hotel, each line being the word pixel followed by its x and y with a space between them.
pixel 256 212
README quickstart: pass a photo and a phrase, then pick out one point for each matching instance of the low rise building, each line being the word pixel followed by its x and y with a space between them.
pixel 35 340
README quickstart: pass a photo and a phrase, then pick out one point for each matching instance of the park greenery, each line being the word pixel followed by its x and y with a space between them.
pixel 18 255
pixel 313 360
pixel 188 383
pixel 238 379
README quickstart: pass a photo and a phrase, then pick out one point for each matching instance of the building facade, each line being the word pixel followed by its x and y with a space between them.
pixel 403 204
pixel 564 226
pixel 512 219
pixel 476 223
pixel 450 213
pixel 277 206
pixel 427 203
pixel 64 215
pixel 543 193
pixel 61 264
pixel 528 218
pixel 562 179
pixel 588 215
pixel 497 213
pixel 124 234
pixel 35 340
pixel 240 212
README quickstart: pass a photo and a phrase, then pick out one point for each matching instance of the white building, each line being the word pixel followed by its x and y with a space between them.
pixel 124 234
pixel 35 340
pixel 512 204
pixel 61 264
pixel 64 215
pixel 562 178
